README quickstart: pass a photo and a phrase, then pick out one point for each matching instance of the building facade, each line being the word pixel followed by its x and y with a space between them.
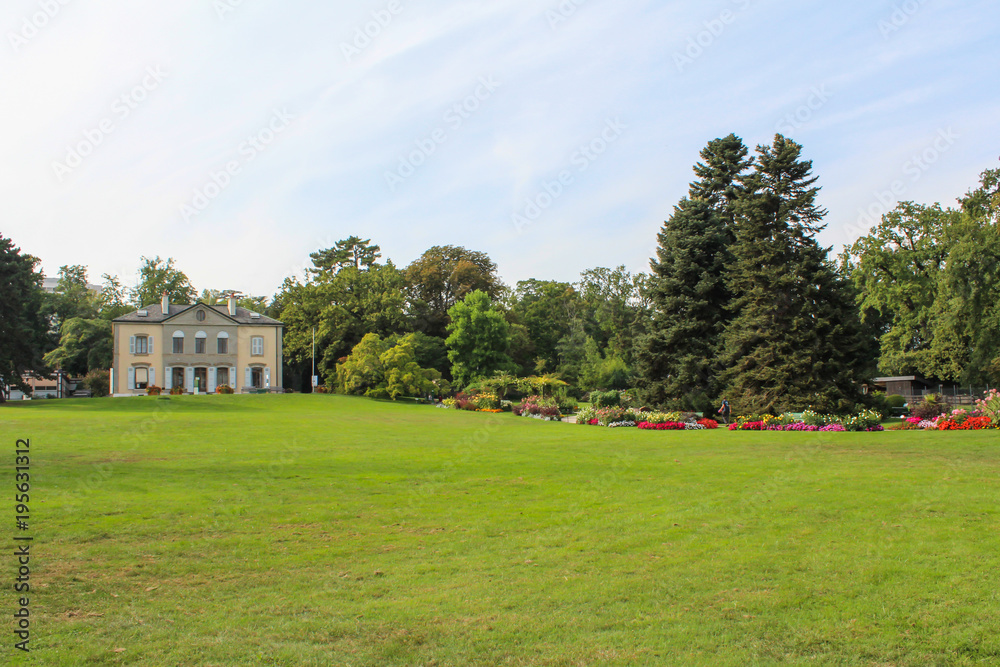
pixel 196 348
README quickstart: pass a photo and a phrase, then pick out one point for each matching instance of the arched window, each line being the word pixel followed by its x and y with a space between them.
pixel 200 339
pixel 178 342
pixel 223 344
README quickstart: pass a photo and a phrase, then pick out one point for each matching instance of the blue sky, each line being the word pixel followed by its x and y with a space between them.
pixel 239 136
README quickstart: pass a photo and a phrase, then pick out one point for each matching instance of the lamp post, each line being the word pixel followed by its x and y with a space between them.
pixel 312 379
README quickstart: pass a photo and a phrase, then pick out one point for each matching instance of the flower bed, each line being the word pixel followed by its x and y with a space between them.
pixel 662 426
pixel 539 407
pixel 809 421
pixel 985 415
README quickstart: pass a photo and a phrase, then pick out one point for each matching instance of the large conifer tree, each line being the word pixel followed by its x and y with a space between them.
pixel 794 339
pixel 678 359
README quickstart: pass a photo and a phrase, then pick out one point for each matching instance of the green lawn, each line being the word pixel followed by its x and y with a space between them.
pixel 319 530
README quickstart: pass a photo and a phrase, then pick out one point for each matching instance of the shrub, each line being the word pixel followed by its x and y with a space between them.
pixel 98 382
pixel 990 406
pixel 484 401
pixel 930 408
pixel 606 399
pixel 176 391
pixel 813 418
pixel 567 405
pixel 864 421
pixel 895 401
pixel 587 415
pixel 465 402
pixel 539 406
pixel 224 389
pixel 153 390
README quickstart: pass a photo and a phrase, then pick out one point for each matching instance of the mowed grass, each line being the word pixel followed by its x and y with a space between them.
pixel 323 530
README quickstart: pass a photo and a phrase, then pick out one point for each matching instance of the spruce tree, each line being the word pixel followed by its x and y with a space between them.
pixel 794 341
pixel 677 360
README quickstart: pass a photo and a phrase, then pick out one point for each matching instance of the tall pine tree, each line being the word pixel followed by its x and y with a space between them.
pixel 678 360
pixel 794 341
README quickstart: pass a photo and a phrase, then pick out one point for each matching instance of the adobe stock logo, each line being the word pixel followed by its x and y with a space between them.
pixel 564 12
pixel 582 159
pixel 365 35
pixel 900 16
pixel 248 151
pixel 698 44
pixel 914 169
pixel 796 120
pixel 455 117
pixel 226 7
pixel 31 26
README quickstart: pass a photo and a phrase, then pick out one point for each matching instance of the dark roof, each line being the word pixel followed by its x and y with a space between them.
pixel 156 315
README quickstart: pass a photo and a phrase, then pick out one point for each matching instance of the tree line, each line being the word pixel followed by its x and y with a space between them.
pixel 741 302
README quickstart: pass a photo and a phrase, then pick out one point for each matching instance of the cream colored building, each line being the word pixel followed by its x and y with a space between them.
pixel 197 346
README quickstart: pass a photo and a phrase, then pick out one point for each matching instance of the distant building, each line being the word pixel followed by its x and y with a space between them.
pixel 905 385
pixel 58 385
pixel 50 285
pixel 195 346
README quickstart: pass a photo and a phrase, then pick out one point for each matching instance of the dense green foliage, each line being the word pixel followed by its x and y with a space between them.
pixel 478 339
pixel 84 345
pixel 680 358
pixel 352 251
pixel 157 276
pixel 22 326
pixel 930 278
pixel 342 307
pixel 443 276
pixel 746 303
pixel 795 338
pixel 383 369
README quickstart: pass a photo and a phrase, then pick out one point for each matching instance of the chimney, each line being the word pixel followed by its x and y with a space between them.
pixel 165 303
pixel 232 305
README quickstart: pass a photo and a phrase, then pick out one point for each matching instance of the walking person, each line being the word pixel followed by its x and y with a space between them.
pixel 724 411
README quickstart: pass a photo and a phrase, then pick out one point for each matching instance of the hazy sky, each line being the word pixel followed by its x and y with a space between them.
pixel 238 136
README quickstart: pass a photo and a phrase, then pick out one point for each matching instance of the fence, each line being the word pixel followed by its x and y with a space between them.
pixel 952 396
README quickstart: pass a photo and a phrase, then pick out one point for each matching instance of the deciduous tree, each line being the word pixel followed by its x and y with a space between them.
pixel 22 327
pixel 157 276
pixel 478 339
pixel 443 276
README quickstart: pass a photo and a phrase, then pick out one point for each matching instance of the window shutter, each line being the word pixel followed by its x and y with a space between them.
pixel 267 378
pixel 248 379
pixel 131 378
pixel 150 346
pixel 189 377
pixel 168 377
pixel 211 380
pixel 152 374
pixel 131 345
pixel 232 377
